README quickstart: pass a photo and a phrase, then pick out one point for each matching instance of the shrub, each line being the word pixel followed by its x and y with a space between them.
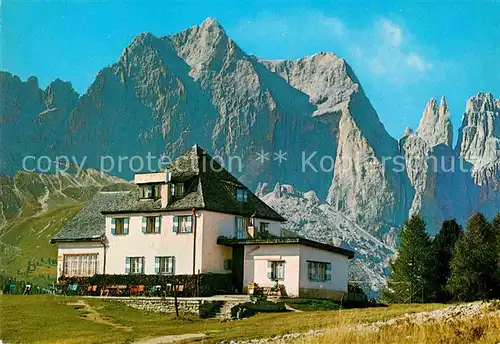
pixel 208 284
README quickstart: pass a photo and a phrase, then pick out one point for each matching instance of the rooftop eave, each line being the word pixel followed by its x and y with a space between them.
pixel 92 239
pixel 282 241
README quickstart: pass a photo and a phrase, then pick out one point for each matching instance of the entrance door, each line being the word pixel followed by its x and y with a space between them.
pixel 238 252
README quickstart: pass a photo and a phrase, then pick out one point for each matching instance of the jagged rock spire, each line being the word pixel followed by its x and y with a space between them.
pixel 479 135
pixel 435 125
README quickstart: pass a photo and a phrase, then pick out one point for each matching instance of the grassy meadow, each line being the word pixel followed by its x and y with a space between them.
pixel 26 252
pixel 64 319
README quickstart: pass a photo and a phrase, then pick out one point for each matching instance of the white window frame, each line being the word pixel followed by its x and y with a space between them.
pixel 167 265
pixel 80 265
pixel 278 270
pixel 317 271
pixel 183 221
pixel 136 265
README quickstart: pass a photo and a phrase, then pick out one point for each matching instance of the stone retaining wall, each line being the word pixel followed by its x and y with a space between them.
pixel 202 308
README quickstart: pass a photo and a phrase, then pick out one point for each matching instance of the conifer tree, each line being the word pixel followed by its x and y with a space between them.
pixel 441 255
pixel 474 263
pixel 411 268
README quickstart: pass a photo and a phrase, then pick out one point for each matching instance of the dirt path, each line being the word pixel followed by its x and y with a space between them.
pixel 92 314
pixel 171 339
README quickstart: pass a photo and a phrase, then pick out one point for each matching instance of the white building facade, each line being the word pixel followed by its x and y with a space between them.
pixel 196 222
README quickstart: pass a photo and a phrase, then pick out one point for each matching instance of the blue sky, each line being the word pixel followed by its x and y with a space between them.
pixel 403 53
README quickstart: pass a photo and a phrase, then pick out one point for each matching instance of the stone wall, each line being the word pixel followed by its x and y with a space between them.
pixel 200 307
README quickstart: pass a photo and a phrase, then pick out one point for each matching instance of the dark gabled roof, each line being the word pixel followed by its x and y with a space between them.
pixel 284 241
pixel 89 223
pixel 207 186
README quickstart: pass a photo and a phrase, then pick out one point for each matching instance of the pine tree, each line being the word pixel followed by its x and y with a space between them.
pixel 410 269
pixel 441 255
pixel 496 228
pixel 474 263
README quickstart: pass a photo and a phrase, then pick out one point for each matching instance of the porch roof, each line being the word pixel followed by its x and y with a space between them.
pixel 285 241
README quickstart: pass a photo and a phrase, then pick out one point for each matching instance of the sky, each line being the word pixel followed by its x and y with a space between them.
pixel 403 53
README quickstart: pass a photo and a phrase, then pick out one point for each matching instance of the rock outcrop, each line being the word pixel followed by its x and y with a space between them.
pixel 435 126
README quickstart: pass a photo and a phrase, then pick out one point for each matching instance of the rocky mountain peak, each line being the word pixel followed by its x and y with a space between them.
pixel 482 102
pixel 211 24
pixel 324 77
pixel 435 126
pixel 60 94
pixel 408 131
pixel 205 47
pixel 479 135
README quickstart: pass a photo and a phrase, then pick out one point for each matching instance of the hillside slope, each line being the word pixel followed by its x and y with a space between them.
pixel 34 207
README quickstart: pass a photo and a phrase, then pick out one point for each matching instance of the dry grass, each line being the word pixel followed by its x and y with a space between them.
pixel 475 330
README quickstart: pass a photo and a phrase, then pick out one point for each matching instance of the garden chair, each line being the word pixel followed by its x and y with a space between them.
pixel 105 291
pixel 133 290
pixel 141 290
pixel 72 289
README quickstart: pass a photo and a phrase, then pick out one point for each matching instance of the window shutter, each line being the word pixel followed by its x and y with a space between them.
pixel 170 265
pixel 113 226
pixel 144 224
pixel 281 273
pixel 157 265
pixel 328 272
pixel 127 265
pixel 125 225
pixel 175 225
pixel 141 265
pixel 190 223
pixel 158 224
pixel 270 270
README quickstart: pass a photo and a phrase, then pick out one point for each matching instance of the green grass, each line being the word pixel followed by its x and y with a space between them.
pixel 28 254
pixel 49 319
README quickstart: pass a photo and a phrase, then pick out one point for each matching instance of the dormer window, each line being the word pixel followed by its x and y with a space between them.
pixel 242 195
pixel 177 189
pixel 149 191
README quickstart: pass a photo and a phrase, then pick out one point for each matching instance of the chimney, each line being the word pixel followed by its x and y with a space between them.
pixel 166 194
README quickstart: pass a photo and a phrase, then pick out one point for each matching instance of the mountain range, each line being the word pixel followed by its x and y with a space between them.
pixel 310 141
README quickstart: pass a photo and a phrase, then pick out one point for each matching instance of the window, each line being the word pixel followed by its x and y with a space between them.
pixel 119 226
pixel 134 265
pixel 242 195
pixel 79 264
pixel 276 270
pixel 240 230
pixel 165 265
pixel 319 272
pixel 183 224
pixel 177 189
pixel 264 228
pixel 151 224
pixel 149 191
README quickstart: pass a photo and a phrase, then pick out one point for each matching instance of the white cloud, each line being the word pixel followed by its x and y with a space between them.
pixel 392 33
pixel 383 47
pixel 393 54
pixel 415 61
pixel 336 25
